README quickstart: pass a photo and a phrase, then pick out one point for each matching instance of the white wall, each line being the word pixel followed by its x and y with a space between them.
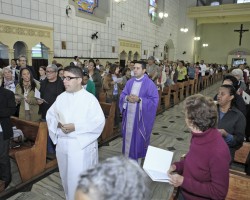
pixel 76 31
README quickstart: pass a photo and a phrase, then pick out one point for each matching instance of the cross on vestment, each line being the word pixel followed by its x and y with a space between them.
pixel 241 31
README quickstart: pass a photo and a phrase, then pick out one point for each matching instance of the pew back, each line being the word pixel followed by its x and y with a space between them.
pixel 239 187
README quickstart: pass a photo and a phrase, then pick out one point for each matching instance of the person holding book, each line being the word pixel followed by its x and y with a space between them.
pixel 25 95
pixel 204 173
pixel 75 121
pixel 138 104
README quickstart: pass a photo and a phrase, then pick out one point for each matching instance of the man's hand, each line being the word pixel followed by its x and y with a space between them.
pixel 67 128
pixel 133 98
pixel 223 132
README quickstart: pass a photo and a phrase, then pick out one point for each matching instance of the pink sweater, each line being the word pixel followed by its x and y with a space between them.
pixel 206 167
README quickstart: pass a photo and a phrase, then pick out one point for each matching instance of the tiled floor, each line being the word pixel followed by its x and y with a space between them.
pixel 169 132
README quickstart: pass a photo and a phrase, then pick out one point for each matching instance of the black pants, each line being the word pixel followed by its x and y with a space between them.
pixel 5 168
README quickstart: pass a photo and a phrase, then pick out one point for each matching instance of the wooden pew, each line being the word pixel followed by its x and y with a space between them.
pixel 31 155
pixel 109 112
pixel 186 88
pixel 102 96
pixel 159 108
pixel 174 89
pixel 239 186
pixel 166 97
pixel 181 90
pixel 242 153
pixel 192 86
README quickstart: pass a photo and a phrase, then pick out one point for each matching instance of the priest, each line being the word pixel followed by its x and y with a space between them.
pixel 75 121
pixel 138 105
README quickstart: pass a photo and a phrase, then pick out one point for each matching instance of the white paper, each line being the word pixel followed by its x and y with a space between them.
pixel 38 95
pixel 246 97
pixel 157 163
pixel 119 80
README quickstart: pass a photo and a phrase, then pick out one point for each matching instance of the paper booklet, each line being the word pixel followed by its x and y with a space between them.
pixel 157 163
pixel 246 97
pixel 38 95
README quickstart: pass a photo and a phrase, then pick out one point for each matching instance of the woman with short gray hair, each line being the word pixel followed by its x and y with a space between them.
pixel 115 178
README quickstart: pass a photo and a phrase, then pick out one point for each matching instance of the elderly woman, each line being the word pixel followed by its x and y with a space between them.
pixel 204 173
pixel 232 122
pixel 113 179
pixel 25 94
pixel 238 73
pixel 8 80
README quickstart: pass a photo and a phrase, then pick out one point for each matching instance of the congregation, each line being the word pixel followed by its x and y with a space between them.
pixel 134 89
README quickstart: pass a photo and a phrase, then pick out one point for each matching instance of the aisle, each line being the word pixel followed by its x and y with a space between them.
pixel 169 132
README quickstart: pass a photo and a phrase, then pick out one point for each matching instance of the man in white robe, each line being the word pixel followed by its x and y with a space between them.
pixel 75 121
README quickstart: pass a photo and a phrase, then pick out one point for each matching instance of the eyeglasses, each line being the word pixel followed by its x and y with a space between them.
pixel 68 78
pixel 49 72
pixel 22 60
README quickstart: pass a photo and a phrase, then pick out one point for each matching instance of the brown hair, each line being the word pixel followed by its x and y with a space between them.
pixel 201 112
pixel 113 68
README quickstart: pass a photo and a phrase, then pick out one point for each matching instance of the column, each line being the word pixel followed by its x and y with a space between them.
pixel 11 54
pixel 50 56
pixel 29 57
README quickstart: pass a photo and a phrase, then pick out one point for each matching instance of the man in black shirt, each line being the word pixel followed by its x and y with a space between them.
pixel 51 87
pixel 23 64
pixel 7 108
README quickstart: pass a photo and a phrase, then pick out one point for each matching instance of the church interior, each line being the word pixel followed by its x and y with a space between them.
pixel 121 32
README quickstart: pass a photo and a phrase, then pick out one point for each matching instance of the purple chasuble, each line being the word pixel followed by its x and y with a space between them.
pixel 143 119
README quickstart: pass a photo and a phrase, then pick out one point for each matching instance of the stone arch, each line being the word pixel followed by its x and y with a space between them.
pixel 20 48
pixel 123 58
pixel 130 54
pixel 136 56
pixel 238 56
pixel 169 50
pixel 123 55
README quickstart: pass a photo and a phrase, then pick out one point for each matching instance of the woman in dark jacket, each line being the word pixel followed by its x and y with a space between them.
pixel 231 122
pixel 95 76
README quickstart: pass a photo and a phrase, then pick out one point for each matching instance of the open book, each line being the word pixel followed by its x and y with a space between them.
pixel 157 163
pixel 38 95
pixel 246 97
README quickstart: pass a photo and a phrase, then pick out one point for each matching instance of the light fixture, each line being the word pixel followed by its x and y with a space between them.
pixel 163 14
pixel 197 38
pixel 68 10
pixel 122 25
pixel 94 36
pixel 215 3
pixel 185 29
pixel 119 1
pixel 205 45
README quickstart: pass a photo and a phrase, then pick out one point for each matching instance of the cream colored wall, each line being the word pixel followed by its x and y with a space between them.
pixel 11 32
pixel 66 61
pixel 221 39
